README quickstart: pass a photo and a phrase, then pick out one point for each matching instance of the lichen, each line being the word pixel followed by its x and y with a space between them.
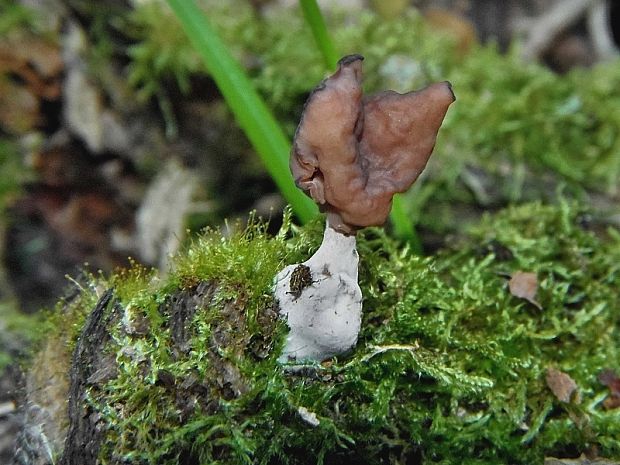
pixel 449 368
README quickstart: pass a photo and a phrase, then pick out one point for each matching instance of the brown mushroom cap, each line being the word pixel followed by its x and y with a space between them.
pixel 352 154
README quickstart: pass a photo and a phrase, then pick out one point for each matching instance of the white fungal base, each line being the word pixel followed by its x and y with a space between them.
pixel 325 317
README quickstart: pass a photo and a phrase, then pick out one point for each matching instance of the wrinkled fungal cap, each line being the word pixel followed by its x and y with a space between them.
pixel 352 154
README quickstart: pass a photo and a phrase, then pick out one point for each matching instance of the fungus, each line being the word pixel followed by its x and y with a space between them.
pixel 351 154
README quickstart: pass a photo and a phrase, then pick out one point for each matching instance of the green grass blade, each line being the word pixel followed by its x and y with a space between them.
pixel 315 20
pixel 251 113
pixel 403 227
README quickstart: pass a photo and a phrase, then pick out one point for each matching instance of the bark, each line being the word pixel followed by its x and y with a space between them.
pixel 93 364
pixel 89 366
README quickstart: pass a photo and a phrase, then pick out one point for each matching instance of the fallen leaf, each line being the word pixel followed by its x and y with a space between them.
pixel 610 379
pixel 30 71
pixel 524 285
pixel 19 108
pixel 563 386
pixel 38 63
pixel 455 25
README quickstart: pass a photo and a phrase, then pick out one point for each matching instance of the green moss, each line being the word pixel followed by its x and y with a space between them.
pixel 14 173
pixel 17 331
pixel 450 367
pixel 14 16
pixel 523 126
pixel 161 53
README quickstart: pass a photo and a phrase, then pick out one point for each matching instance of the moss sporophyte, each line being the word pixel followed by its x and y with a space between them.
pixel 351 155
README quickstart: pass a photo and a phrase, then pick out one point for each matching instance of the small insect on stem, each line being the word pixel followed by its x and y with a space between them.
pixel 301 278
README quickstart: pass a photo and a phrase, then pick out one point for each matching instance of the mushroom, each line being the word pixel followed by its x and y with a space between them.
pixel 351 154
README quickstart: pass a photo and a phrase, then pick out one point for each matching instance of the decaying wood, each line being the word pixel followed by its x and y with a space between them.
pixel 84 435
pixel 76 436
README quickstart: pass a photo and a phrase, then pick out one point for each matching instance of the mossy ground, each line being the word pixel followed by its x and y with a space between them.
pixel 450 367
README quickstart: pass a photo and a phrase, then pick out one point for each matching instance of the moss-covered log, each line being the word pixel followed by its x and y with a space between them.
pixel 89 367
pixel 451 367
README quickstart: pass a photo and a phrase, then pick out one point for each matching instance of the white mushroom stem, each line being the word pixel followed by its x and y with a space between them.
pixel 324 315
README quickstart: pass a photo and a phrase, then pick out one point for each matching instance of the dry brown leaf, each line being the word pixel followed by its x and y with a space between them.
pixel 37 65
pixel 563 386
pixel 455 25
pixel 524 285
pixel 30 70
pixel 19 108
pixel 42 56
